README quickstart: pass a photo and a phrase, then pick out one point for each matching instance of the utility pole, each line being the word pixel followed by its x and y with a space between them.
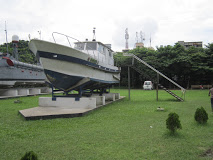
pixel 157 86
pixel 129 81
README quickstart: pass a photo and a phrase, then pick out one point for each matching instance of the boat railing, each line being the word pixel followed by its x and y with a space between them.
pixel 69 37
pixel 65 36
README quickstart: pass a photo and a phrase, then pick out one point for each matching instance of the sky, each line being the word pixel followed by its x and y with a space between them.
pixel 165 21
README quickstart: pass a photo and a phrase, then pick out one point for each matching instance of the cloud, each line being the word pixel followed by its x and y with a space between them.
pixel 167 21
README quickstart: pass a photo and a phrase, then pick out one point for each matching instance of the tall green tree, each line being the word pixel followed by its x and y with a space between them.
pixel 185 66
pixel 25 55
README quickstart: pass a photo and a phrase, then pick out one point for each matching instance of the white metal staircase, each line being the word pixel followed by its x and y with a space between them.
pixel 170 80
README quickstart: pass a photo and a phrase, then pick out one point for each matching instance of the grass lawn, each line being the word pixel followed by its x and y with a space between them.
pixel 118 131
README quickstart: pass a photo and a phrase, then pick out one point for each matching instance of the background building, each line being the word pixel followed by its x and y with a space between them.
pixel 139 45
pixel 189 44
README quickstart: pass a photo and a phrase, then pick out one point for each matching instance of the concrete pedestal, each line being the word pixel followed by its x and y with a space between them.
pixel 23 91
pixel 19 92
pixel 117 96
pixel 67 107
pixel 109 96
pixel 100 100
pixel 67 102
pixel 34 91
pixel 46 90
pixel 8 92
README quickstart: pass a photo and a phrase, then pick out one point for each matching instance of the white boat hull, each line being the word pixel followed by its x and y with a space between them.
pixel 69 69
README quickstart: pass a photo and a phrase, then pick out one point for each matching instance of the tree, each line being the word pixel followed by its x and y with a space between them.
pixel 201 115
pixel 173 122
pixel 25 55
pixel 185 66
pixel 30 156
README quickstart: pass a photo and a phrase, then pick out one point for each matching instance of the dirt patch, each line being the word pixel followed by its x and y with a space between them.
pixel 208 153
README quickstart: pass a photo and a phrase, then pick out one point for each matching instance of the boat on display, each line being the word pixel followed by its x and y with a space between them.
pixel 16 73
pixel 89 65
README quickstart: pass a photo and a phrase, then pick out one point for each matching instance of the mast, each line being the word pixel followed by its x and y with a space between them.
pixel 6 35
pixel 94 37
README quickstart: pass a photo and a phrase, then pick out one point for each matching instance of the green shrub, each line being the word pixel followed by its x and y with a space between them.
pixel 201 116
pixel 29 156
pixel 173 122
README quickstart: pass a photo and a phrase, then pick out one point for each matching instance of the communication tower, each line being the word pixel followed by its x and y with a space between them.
pixel 139 44
pixel 136 38
pixel 127 37
pixel 150 41
pixel 142 36
pixel 126 44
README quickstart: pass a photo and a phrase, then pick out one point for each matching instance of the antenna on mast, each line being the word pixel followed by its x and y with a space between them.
pixel 6 35
pixel 94 37
pixel 136 38
pixel 141 36
pixel 126 37
pixel 39 32
pixel 150 40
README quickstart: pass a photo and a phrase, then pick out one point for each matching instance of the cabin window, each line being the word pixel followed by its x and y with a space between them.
pixel 79 46
pixel 91 46
pixel 101 49
pixel 110 53
pixel 106 51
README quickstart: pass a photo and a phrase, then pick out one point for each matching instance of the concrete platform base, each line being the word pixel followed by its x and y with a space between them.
pixel 64 107
pixel 22 92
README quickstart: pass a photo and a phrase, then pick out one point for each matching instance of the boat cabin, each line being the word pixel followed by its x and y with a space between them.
pixel 97 50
